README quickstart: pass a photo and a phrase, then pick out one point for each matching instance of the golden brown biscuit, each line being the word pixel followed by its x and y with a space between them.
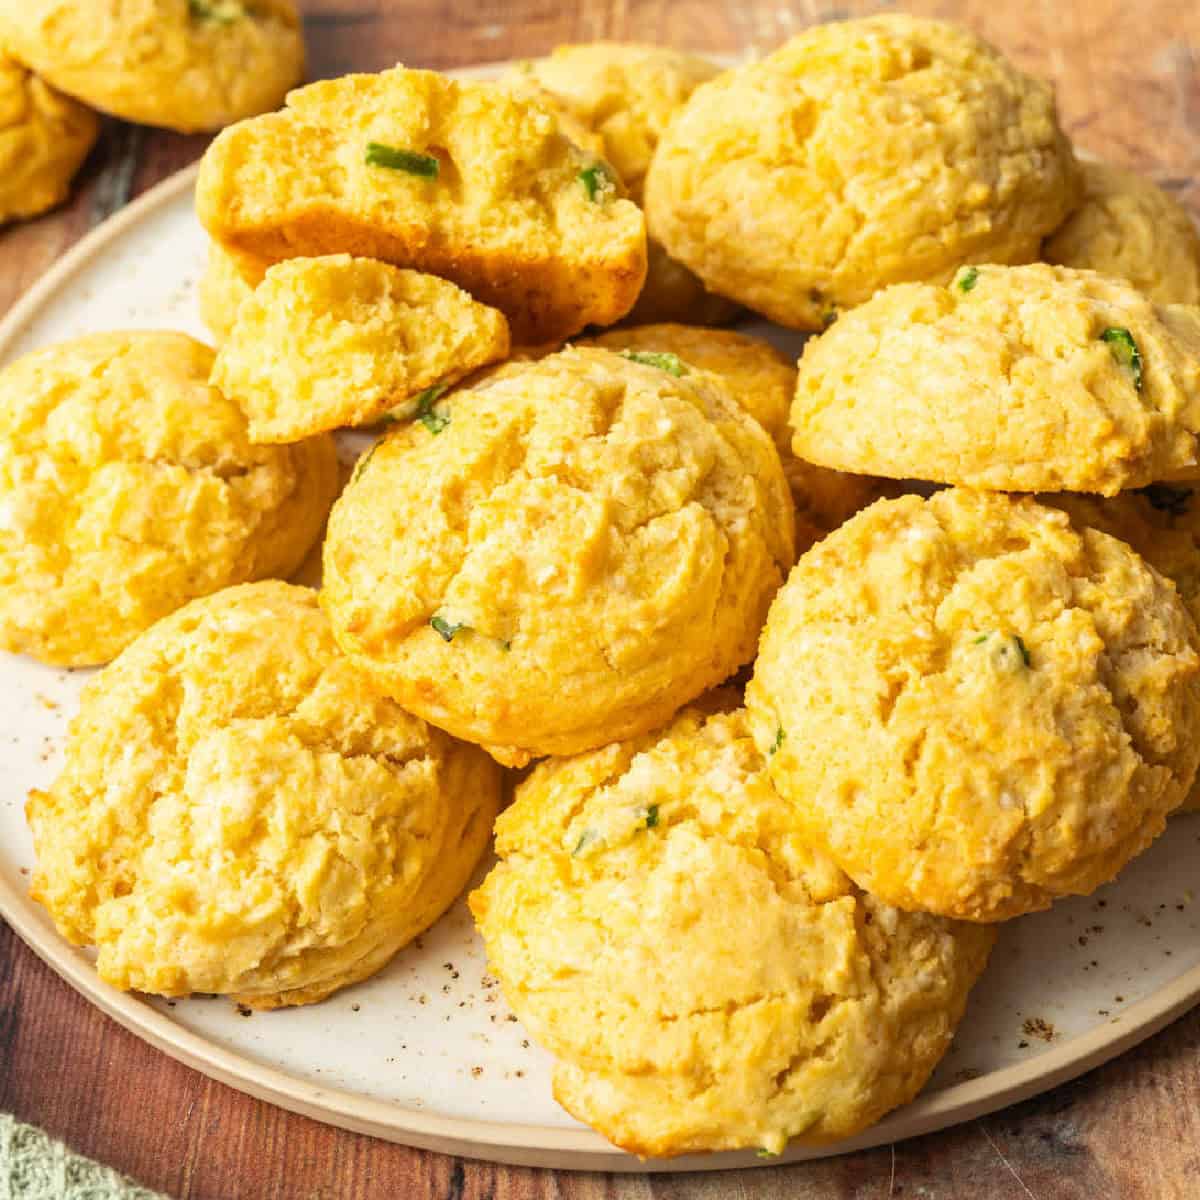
pixel 241 811
pixel 223 286
pixel 1128 227
pixel 706 978
pixel 562 555
pixel 1162 523
pixel 128 487
pixel 976 708
pixel 44 138
pixel 761 378
pixel 189 65
pixel 1033 378
pixel 861 153
pixel 326 342
pixel 764 382
pixel 624 94
pixel 462 180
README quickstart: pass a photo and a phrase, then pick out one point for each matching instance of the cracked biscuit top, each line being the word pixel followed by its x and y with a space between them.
pixel 189 65
pixel 764 382
pixel 861 153
pixel 705 977
pixel 1032 378
pixel 562 555
pixel 1162 523
pixel 464 180
pixel 241 811
pixel 1022 713
pixel 128 486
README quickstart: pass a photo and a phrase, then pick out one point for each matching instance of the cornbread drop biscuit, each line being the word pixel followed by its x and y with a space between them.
pixel 764 382
pixel 861 153
pixel 463 180
pixel 1162 523
pixel 222 288
pixel 1032 378
pixel 44 138
pixel 625 94
pixel 1128 227
pixel 188 65
pixel 563 555
pixel 762 379
pixel 705 976
pixel 128 487
pixel 333 341
pixel 975 707
pixel 241 811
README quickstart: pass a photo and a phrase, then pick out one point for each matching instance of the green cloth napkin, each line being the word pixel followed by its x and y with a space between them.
pixel 33 1166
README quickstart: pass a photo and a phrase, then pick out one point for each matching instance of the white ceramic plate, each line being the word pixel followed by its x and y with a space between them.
pixel 426 1052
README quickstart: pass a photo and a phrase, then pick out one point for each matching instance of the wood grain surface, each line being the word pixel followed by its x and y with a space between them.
pixel 1128 78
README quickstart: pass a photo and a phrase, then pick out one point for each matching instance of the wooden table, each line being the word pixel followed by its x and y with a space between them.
pixel 1128 78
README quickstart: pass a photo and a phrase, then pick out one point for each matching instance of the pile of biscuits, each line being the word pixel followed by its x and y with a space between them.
pixel 189 65
pixel 769 809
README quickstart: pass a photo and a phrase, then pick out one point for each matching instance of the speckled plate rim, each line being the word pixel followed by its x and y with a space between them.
pixel 523 1145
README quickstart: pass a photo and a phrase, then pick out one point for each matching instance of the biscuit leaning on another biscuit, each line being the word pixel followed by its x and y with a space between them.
pixel 128 486
pixel 241 811
pixel 976 708
pixel 458 179
pixel 326 342
pixel 44 138
pixel 562 555
pixel 1032 378
pixel 861 153
pixel 1162 523
pixel 1127 226
pixel 764 382
pixel 706 978
pixel 625 94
